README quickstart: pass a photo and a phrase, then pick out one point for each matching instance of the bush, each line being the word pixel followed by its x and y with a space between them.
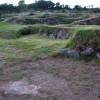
pixel 27 31
pixel 85 38
pixel 86 42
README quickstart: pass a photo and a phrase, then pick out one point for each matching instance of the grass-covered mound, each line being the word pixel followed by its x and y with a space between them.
pixel 86 42
pixel 87 38
pixel 9 31
pixel 89 21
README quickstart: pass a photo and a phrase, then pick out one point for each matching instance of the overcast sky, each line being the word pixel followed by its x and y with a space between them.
pixel 96 3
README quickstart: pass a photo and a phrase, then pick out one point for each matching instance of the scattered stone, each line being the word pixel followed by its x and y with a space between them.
pixel 98 55
pixel 87 51
pixel 69 53
pixel 59 34
pixel 73 53
pixel 63 51
pixel 21 88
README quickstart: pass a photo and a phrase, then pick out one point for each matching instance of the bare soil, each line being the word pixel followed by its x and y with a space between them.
pixel 51 79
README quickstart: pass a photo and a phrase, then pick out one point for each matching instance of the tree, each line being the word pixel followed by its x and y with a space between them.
pixel 22 5
pixel 67 7
pixel 44 5
pixel 8 8
pixel 58 6
pixel 50 5
pixel 78 7
pixel 21 2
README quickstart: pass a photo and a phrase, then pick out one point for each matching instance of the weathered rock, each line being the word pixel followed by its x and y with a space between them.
pixel 59 34
pixel 62 34
pixel 98 55
pixel 73 53
pixel 63 51
pixel 52 36
pixel 69 53
pixel 87 51
pixel 21 88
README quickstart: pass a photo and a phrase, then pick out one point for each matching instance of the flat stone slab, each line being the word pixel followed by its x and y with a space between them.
pixel 20 88
pixel 40 82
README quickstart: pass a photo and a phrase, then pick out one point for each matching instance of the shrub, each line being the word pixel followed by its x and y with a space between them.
pixel 27 31
pixel 83 39
pixel 87 38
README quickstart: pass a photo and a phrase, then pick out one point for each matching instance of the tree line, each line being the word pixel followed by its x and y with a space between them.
pixel 41 5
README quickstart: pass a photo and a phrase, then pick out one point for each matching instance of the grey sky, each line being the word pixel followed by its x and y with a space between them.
pixel 96 3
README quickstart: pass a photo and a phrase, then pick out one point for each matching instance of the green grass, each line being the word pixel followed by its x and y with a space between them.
pixel 38 46
pixel 8 30
pixel 8 27
pixel 17 75
pixel 33 45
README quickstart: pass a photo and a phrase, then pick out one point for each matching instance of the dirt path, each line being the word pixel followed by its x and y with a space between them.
pixel 51 79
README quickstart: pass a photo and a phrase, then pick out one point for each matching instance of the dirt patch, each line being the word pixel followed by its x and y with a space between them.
pixel 58 79
pixel 38 83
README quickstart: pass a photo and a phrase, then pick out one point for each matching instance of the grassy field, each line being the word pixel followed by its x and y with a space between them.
pixel 33 45
pixel 25 47
pixel 29 55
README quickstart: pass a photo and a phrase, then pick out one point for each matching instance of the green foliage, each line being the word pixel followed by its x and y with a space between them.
pixel 46 29
pixel 83 39
pixel 8 8
pixel 42 4
pixel 8 31
pixel 70 44
pixel 88 38
pixel 27 31
pixel 17 75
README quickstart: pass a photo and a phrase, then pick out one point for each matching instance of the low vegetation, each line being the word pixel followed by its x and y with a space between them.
pixel 36 43
pixel 43 33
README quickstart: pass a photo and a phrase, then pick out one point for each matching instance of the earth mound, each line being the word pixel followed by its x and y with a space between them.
pixel 89 21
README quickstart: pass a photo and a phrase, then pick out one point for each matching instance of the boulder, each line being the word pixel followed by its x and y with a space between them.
pixel 87 51
pixel 63 51
pixel 69 53
pixel 73 53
